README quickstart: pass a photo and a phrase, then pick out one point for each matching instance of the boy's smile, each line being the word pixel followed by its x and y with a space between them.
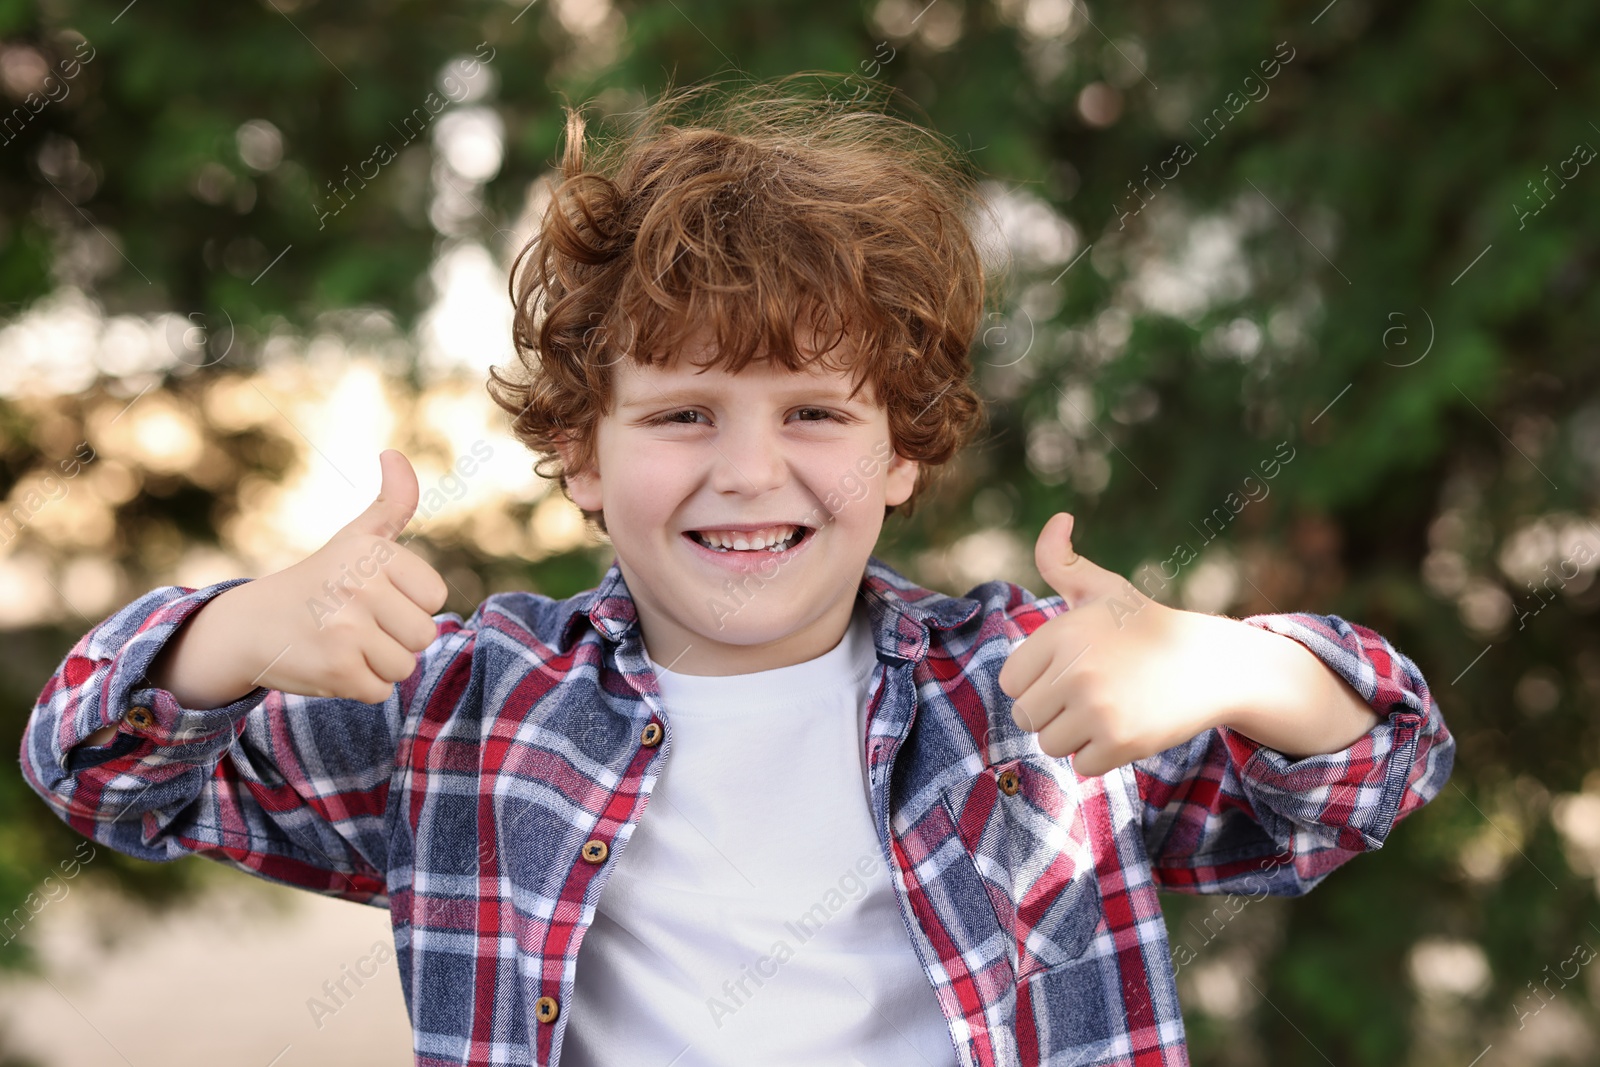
pixel 752 548
pixel 742 507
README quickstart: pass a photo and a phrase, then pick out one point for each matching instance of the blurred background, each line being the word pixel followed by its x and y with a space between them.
pixel 1297 300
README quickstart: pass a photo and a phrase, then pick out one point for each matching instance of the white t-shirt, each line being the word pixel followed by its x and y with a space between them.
pixel 750 918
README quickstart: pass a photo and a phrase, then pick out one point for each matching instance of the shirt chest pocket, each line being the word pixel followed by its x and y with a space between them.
pixel 1022 824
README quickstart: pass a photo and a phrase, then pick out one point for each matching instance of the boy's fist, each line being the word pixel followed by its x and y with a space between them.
pixel 349 620
pixel 1119 676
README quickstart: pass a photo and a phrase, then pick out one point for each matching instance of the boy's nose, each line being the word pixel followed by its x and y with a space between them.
pixel 749 460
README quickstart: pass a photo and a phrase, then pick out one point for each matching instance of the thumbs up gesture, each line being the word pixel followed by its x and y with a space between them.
pixel 348 620
pixel 351 617
pixel 1119 676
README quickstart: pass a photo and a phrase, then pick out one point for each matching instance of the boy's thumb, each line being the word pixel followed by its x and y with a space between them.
pixel 397 498
pixel 1074 577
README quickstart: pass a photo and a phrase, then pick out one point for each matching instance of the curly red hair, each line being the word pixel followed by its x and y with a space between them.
pixel 737 216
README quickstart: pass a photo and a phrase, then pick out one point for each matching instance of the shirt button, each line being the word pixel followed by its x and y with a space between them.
pixel 651 736
pixel 546 1009
pixel 595 851
pixel 1008 783
pixel 141 717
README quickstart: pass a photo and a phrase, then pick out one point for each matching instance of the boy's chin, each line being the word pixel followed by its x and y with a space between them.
pixel 751 627
pixel 759 628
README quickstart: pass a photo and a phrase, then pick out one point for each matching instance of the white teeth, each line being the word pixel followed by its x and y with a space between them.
pixel 773 539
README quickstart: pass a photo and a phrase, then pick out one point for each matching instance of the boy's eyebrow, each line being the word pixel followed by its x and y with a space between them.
pixel 833 390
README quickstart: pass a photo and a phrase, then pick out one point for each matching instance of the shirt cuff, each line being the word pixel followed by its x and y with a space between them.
pixel 153 713
pixel 1351 796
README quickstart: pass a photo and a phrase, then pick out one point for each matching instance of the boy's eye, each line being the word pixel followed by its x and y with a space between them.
pixel 818 414
pixel 672 416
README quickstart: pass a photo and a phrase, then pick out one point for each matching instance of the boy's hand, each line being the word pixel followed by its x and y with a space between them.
pixel 1120 677
pixel 347 621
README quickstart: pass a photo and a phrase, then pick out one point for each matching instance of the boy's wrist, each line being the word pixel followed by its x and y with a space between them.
pixel 203 663
pixel 1288 699
pixel 197 664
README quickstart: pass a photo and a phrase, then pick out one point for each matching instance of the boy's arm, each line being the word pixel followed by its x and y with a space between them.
pixel 1226 813
pixel 287 787
pixel 1183 702
pixel 1298 705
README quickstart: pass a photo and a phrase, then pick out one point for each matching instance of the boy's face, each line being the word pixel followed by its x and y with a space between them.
pixel 683 453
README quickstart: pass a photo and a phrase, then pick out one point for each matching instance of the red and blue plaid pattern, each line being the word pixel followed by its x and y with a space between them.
pixel 470 803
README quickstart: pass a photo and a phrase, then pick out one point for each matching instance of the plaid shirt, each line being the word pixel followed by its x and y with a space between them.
pixel 484 802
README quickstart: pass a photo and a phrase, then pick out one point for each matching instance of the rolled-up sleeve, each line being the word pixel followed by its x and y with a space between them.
pixel 285 787
pixel 1226 814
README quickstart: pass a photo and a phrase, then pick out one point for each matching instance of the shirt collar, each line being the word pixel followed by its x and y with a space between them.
pixel 901 612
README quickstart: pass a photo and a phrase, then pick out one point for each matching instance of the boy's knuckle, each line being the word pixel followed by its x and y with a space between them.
pixel 344 643
pixel 1090 678
pixel 1024 713
pixel 347 675
pixel 426 633
pixel 405 664
pixel 1117 732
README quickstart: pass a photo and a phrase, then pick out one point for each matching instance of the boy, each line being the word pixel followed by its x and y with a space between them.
pixel 887 832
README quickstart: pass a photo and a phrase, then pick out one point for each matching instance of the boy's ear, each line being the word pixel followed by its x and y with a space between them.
pixel 583 486
pixel 899 480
